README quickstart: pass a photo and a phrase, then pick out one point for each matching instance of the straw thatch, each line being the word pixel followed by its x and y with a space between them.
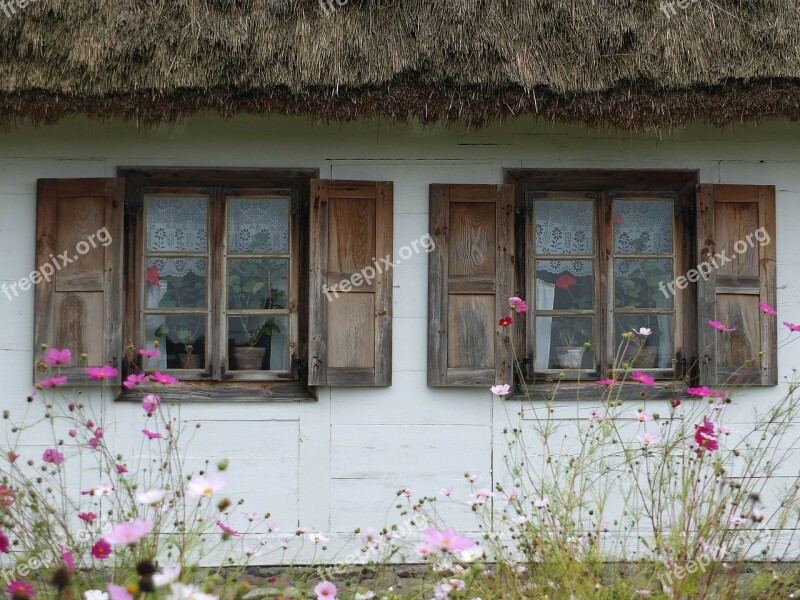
pixel 601 62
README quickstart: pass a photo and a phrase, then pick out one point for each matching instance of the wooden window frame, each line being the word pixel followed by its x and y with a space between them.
pixel 217 383
pixel 606 184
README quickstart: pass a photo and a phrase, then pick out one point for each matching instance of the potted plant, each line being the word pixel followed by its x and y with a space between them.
pixel 575 334
pixel 187 330
pixel 252 287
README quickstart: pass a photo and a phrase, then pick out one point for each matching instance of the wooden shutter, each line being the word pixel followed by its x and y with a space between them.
pixel 471 276
pixel 79 232
pixel 350 328
pixel 730 222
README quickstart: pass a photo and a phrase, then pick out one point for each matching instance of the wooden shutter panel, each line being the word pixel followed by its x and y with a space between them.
pixel 730 222
pixel 471 276
pixel 81 306
pixel 350 327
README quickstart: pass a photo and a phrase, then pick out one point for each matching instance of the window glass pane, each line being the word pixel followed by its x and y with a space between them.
pixel 257 284
pixel 258 225
pixel 182 341
pixel 564 226
pixel 564 284
pixel 258 343
pixel 642 283
pixel 642 226
pixel 176 283
pixel 559 343
pixel 647 352
pixel 176 224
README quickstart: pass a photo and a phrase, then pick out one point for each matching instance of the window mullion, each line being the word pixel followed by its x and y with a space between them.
pixel 605 345
pixel 218 297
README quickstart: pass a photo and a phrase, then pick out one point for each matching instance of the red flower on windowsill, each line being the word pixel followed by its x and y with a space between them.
pixel 152 277
pixel 565 282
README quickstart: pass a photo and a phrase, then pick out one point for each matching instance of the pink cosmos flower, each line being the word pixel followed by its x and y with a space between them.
pixel 446 491
pixel 12 456
pixel 704 392
pixel 447 539
pixel 55 357
pixel 66 556
pixel 643 331
pixel 227 529
pixel 72 433
pixel 53 456
pixel 52 382
pixel 121 469
pixel 325 590
pixel 643 379
pixel 473 477
pixel 128 533
pixel 150 403
pixel 505 321
pixel 118 592
pixel 5 544
pixel 20 589
pixel 517 304
pixel 424 550
pixel 734 520
pixel 541 502
pixel 98 433
pixel 705 435
pixel 99 373
pixel 720 326
pixel 647 438
pixel 767 309
pixel 643 416
pixel 163 378
pixel 792 326
pixel 500 390
pixel 153 435
pixel 148 353
pixel 133 380
pixel 94 443
pixel 87 516
pixel 606 381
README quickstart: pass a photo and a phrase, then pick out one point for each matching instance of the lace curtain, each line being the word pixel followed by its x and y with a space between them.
pixel 250 218
pixel 176 224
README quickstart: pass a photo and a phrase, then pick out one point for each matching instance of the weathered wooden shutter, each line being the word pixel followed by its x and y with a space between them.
pixel 350 329
pixel 471 276
pixel 736 239
pixel 79 234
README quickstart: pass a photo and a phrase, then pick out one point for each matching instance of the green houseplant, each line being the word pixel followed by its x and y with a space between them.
pixel 575 333
pixel 253 287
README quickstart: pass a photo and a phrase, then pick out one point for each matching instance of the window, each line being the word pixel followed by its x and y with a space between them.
pixel 251 280
pixel 597 254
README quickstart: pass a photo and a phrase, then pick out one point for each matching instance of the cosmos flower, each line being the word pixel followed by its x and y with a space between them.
pixel 151 497
pixel 500 390
pixel 767 309
pixel 56 358
pixel 325 590
pixel 517 304
pixel 101 549
pixel 505 321
pixel 643 379
pixel 704 392
pixel 128 533
pixel 647 438
pixel 100 373
pixel 53 456
pixel 720 326
pixel 207 485
pixel 447 539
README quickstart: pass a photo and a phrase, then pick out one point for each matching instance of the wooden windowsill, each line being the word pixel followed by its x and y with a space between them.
pixel 226 391
pixel 589 390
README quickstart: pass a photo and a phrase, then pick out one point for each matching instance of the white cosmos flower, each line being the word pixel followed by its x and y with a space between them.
pixel 151 497
pixel 317 538
pixel 366 595
pixel 205 485
pixel 95 595
pixel 643 331
pixel 168 575
pixel 472 554
pixel 180 591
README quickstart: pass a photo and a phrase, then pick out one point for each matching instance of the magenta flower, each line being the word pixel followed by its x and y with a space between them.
pixel 704 392
pixel 101 549
pixel 325 590
pixel 12 456
pixel 72 433
pixel 643 379
pixel 153 435
pixel 52 382
pixel 767 309
pixel 720 326
pixel 94 443
pixel 104 372
pixel 87 516
pixel 133 380
pixel 53 456
pixel 66 556
pixel 505 321
pixel 20 589
pixel 227 529
pixel 55 357
pixel 121 469
pixel 118 592
pixel 792 326
pixel 159 377
pixel 447 539
pixel 128 533
pixel 150 403
pixel 4 543
pixel 606 382
pixel 705 435
pixel 517 304
pixel 148 353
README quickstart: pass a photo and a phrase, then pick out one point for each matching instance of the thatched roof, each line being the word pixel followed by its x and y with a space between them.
pixel 601 62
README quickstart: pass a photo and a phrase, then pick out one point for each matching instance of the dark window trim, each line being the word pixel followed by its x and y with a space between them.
pixel 682 182
pixel 137 178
